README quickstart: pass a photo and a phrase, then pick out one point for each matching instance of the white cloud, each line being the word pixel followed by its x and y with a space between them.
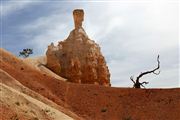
pixel 143 31
pixel 131 35
pixel 49 30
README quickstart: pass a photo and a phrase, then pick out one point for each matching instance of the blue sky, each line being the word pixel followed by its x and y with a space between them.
pixel 131 33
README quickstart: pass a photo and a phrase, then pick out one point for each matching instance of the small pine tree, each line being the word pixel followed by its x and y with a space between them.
pixel 26 52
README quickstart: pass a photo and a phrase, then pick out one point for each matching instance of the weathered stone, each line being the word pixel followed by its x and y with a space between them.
pixel 52 59
pixel 78 16
pixel 78 58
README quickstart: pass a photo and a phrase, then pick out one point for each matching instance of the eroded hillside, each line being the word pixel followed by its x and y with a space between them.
pixel 90 102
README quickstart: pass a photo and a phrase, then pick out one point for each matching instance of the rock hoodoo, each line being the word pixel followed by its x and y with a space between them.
pixel 78 58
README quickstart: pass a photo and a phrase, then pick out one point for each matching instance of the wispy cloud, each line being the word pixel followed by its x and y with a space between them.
pixel 8 7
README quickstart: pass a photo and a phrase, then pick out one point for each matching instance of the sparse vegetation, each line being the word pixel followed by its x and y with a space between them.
pixel 22 68
pixel 15 117
pixel 127 118
pixel 17 103
pixel 27 102
pixel 46 110
pixel 103 110
pixel 26 52
pixel 35 118
pixel 33 112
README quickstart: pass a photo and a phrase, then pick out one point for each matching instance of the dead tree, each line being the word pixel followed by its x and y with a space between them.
pixel 138 84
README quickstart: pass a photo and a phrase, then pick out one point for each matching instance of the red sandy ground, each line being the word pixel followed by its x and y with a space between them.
pixel 8 114
pixel 93 102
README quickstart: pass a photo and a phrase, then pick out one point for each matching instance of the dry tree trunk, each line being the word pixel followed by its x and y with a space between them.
pixel 137 84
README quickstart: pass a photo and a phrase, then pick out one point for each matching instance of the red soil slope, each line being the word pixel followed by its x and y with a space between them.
pixel 96 102
pixel 8 114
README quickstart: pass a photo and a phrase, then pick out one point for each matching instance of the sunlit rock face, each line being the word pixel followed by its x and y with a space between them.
pixel 52 59
pixel 78 58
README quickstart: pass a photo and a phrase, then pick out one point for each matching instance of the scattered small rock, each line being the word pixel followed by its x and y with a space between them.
pixel 103 110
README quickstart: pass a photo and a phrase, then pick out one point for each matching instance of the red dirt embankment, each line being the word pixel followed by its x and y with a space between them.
pixel 97 102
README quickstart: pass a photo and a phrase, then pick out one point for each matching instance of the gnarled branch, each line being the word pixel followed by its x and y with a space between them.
pixel 151 71
pixel 137 84
pixel 132 79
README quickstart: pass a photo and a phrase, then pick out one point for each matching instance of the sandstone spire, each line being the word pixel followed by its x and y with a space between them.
pixel 78 58
pixel 78 15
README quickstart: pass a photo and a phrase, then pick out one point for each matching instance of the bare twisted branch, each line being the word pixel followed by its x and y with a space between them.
pixel 137 84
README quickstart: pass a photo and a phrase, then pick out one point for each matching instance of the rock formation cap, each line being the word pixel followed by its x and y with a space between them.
pixel 78 15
